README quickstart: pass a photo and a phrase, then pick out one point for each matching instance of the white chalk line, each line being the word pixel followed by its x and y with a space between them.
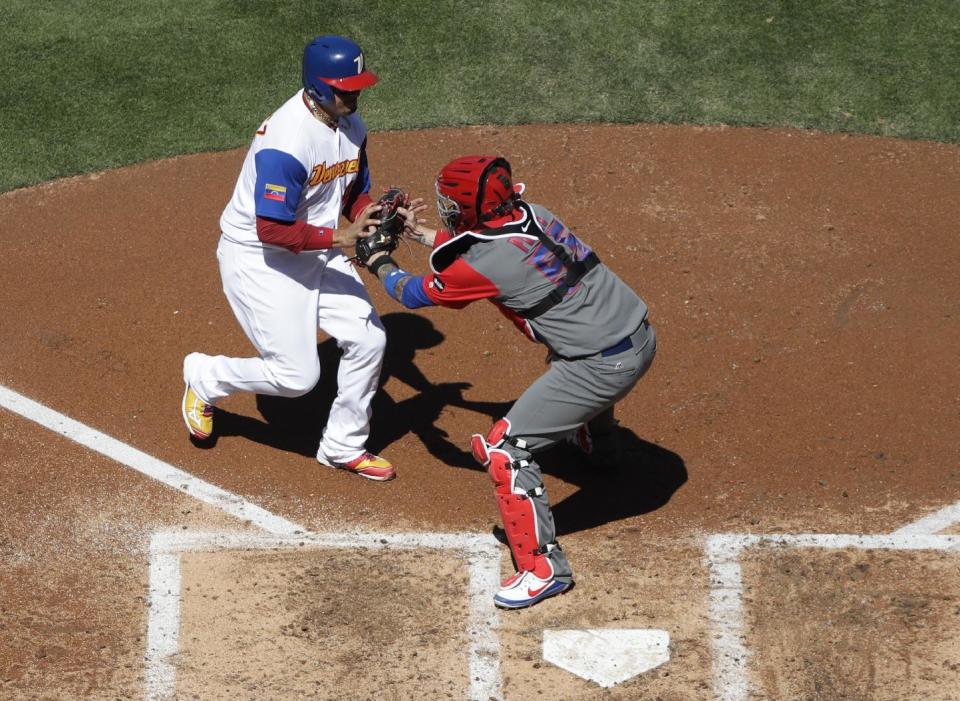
pixel 934 523
pixel 147 464
pixel 722 553
pixel 482 553
pixel 163 625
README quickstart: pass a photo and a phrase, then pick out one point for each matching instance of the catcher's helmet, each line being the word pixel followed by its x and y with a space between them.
pixel 474 189
pixel 334 62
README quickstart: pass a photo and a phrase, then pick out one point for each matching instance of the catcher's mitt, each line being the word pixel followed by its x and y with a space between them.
pixel 387 235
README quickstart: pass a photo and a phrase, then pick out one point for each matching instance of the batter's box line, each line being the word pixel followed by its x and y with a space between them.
pixel 723 551
pixel 481 551
pixel 941 520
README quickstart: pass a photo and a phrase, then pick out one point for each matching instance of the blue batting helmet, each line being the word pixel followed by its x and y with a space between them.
pixel 332 61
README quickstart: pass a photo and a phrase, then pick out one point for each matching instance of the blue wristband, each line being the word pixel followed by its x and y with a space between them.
pixel 391 281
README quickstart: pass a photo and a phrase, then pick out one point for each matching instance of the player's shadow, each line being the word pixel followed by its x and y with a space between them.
pixel 643 480
pixel 295 424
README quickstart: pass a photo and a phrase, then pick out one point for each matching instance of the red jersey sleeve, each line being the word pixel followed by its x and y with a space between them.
pixel 458 285
pixel 295 236
pixel 441 237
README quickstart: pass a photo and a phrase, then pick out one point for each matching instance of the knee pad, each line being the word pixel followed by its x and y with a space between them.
pixel 480 446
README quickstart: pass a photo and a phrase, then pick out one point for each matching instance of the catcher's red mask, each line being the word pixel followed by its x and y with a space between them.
pixel 472 190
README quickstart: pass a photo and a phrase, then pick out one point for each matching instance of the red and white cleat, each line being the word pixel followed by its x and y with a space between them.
pixel 526 589
pixel 368 465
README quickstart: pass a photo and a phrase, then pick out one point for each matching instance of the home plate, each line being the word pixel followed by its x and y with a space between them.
pixel 606 656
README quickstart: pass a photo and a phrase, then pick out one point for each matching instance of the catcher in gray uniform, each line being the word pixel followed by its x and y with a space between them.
pixel 543 278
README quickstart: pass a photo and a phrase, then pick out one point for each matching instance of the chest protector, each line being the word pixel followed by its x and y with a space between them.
pixel 526 226
pixel 576 269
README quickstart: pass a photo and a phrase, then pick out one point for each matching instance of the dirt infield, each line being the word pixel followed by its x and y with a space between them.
pixel 887 619
pixel 804 292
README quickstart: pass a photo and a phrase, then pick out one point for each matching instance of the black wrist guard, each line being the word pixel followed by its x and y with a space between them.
pixel 380 262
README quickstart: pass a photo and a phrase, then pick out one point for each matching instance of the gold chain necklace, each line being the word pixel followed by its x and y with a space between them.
pixel 319 112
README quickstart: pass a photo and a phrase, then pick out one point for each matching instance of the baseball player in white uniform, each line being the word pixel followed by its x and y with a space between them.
pixel 283 271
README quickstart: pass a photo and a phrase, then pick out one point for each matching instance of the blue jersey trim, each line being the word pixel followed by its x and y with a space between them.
pixel 280 181
pixel 413 296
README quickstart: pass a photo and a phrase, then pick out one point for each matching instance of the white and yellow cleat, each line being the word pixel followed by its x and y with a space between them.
pixel 197 414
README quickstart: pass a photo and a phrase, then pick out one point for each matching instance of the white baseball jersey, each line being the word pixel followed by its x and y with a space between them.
pixel 298 168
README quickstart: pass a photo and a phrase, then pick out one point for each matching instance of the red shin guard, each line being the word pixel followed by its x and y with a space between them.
pixel 516 511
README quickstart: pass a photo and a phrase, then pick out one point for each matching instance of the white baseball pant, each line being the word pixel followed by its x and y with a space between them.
pixel 281 299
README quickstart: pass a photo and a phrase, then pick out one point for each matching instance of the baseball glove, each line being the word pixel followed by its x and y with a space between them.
pixel 387 235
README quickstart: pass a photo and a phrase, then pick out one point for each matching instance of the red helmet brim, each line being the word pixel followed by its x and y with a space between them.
pixel 352 83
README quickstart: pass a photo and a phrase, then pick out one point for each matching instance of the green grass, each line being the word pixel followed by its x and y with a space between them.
pixel 88 85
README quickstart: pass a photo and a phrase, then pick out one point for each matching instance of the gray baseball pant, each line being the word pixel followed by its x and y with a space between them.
pixel 569 394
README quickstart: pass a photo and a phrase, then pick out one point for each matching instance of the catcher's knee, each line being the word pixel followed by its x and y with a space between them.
pixel 498 436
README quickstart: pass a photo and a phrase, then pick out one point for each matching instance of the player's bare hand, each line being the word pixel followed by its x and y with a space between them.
pixel 365 223
pixel 411 214
pixel 411 217
pixel 414 226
